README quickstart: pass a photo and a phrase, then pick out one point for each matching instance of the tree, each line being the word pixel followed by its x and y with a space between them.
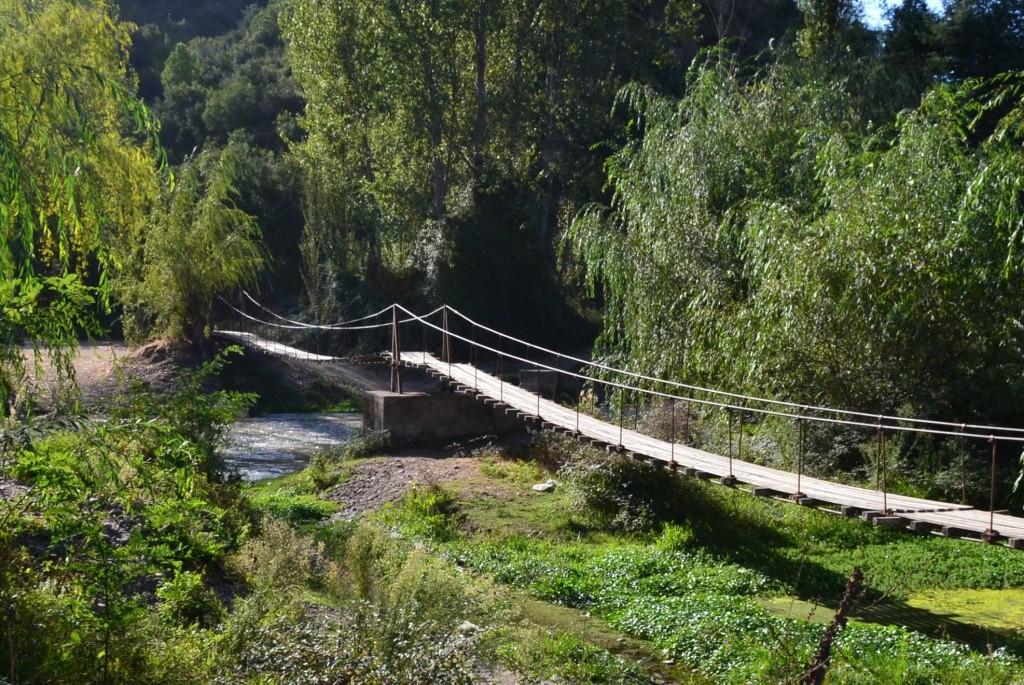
pixel 983 37
pixel 418 112
pixel 197 245
pixel 911 43
pixel 765 238
pixel 74 179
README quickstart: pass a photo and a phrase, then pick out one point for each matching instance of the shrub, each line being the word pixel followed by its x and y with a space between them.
pixel 426 512
pixel 358 644
pixel 615 492
pixel 186 601
pixel 367 444
pixel 278 557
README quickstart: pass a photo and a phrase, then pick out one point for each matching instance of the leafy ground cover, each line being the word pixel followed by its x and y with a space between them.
pixel 717 580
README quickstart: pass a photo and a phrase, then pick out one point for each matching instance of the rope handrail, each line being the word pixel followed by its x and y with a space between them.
pixel 342 326
pixel 723 405
pixel 738 396
pixel 313 325
pixel 776 408
pixel 304 327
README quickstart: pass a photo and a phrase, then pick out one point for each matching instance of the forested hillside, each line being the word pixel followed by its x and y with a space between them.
pixel 438 151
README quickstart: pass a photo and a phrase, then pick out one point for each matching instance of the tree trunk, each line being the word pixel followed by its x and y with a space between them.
pixel 480 131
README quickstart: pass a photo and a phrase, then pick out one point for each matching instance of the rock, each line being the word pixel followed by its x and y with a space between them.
pixel 467 628
pixel 547 486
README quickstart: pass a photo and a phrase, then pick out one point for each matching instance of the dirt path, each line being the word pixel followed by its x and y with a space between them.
pixel 375 483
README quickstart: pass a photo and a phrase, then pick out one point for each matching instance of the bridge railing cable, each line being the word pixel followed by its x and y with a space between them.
pixel 741 398
pixel 803 411
pixel 734 404
pixel 623 395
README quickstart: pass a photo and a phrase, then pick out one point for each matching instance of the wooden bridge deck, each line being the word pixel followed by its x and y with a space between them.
pixel 273 347
pixel 922 515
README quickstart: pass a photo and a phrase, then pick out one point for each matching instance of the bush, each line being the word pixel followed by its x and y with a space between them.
pixel 426 512
pixel 358 645
pixel 618 493
pixel 186 601
pixel 367 444
pixel 278 557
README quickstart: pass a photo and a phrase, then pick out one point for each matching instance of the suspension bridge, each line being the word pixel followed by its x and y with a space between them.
pixel 597 403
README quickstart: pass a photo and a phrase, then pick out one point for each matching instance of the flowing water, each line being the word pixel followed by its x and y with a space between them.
pixel 276 444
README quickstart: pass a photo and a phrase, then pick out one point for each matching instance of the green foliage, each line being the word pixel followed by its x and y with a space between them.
pixel 295 509
pixel 622 494
pixel 77 172
pixel 108 509
pixel 199 245
pixel 426 512
pixel 565 654
pixel 186 601
pixel 200 416
pixel 112 505
pixel 702 612
pixel 764 237
pixel 327 469
pixel 279 558
pixel 359 646
pixel 428 128
pixel 366 444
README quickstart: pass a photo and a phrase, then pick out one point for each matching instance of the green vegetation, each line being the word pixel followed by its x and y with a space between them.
pixel 707 586
pixel 77 173
pixel 200 245
pixel 765 197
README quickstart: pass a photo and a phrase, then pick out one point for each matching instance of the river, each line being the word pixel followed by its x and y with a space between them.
pixel 268 446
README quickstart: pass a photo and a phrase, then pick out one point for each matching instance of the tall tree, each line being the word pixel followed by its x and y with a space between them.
pixel 198 245
pixel 74 179
pixel 417 111
pixel 764 237
pixel 983 37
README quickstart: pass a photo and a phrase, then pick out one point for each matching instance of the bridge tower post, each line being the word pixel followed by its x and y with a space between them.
pixel 396 353
pixel 991 535
pixel 446 343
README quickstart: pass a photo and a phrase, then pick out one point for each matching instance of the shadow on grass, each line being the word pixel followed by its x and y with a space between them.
pixel 755 533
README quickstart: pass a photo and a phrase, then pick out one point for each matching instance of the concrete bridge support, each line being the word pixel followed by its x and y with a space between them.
pixel 435 416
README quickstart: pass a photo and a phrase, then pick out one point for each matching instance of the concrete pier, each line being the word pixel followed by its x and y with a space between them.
pixel 433 417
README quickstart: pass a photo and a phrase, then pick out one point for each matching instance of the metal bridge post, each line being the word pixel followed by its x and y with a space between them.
pixel 992 535
pixel 672 442
pixel 730 479
pixel 501 376
pixel 396 353
pixel 423 328
pixel 476 357
pixel 538 393
pixel 622 410
pixel 446 343
pixel 686 422
pixel 884 456
pixel 963 467
pixel 798 495
pixel 728 413
pixel 579 399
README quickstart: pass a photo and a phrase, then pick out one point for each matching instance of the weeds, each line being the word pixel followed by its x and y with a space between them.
pixel 427 512
pixel 366 444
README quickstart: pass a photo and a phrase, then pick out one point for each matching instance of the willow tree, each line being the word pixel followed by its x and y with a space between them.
pixel 197 245
pixel 77 171
pixel 764 238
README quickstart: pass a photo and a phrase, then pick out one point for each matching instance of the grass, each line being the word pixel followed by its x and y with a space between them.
pixel 725 582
